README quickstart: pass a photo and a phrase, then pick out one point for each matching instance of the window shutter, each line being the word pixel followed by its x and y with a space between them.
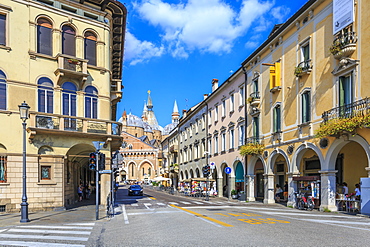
pixel 41 100
pixel 90 51
pixel 73 105
pixel 87 107
pixel 66 104
pixel 95 108
pixel 2 96
pixel 2 29
pixel 44 40
pixel 49 100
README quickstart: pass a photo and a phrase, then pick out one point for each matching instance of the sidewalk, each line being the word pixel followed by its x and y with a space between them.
pixel 84 211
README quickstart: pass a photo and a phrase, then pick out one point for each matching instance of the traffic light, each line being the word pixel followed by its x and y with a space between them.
pixel 101 162
pixel 92 161
pixel 206 170
pixel 115 172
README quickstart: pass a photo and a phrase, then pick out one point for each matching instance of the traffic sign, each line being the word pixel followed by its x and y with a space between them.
pixel 212 165
pixel 105 171
pixel 227 170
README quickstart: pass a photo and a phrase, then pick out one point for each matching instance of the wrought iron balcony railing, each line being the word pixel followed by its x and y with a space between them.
pixel 360 107
pixel 346 38
pixel 71 123
pixel 254 140
pixel 255 95
pixel 304 67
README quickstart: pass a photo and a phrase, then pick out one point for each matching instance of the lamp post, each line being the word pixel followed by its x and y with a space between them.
pixel 23 111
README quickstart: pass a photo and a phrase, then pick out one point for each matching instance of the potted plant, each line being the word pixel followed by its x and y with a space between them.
pixel 73 61
pixel 298 71
pixel 234 194
pixel 252 149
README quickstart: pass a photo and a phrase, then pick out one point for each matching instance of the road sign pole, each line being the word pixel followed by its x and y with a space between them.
pixel 97 188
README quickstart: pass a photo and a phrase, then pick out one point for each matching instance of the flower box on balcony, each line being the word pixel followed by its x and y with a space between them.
pixel 345 52
pixel 252 149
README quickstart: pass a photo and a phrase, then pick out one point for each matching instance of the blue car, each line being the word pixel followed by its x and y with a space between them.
pixel 135 190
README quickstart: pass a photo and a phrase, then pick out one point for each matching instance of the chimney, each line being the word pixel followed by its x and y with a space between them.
pixel 184 113
pixel 214 84
pixel 205 96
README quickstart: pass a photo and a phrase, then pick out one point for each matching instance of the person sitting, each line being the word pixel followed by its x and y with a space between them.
pixel 278 192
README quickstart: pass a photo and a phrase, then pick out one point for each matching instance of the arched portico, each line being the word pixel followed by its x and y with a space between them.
pixel 347 161
pixel 278 164
pixel 256 169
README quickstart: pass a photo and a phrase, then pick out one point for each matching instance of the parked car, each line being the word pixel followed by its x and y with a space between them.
pixel 135 190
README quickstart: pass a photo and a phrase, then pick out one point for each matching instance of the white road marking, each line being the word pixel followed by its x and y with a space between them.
pixel 68 238
pixel 147 206
pixel 80 224
pixel 58 227
pixel 175 203
pixel 160 203
pixel 3 230
pixel 134 204
pixel 49 231
pixel 38 244
pixel 185 202
pixel 125 215
pixel 198 202
pixel 154 212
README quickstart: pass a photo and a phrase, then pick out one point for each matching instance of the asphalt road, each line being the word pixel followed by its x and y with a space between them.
pixel 160 219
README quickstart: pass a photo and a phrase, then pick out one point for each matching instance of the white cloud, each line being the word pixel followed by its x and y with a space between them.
pixel 206 25
pixel 137 51
pixel 280 13
pixel 209 26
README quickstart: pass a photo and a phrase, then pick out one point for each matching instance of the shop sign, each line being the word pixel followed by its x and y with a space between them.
pixel 343 14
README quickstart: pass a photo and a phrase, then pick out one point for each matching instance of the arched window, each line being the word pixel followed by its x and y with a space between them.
pixel 91 102
pixel 90 47
pixel 44 36
pixel 68 40
pixel 69 104
pixel 45 95
pixel 2 91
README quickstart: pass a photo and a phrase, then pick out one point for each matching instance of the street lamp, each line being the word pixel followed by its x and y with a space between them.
pixel 24 115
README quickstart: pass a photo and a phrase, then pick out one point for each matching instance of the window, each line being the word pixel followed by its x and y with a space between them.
pixel 231 138
pixel 210 145
pixel 2 29
pixel 91 102
pixel 216 144
pixel 44 36
pixel 68 40
pixel 90 47
pixel 345 95
pixel 69 104
pixel 216 113
pixel 255 91
pixel 223 109
pixel 306 106
pixel 45 95
pixel 232 103
pixel 241 96
pixel 305 52
pixel 256 131
pixel 3 178
pixel 210 116
pixel 241 135
pixel 277 119
pixel 45 172
pixel 2 91
pixel 223 142
pixel 203 121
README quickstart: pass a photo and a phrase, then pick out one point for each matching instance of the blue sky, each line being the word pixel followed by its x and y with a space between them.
pixel 175 48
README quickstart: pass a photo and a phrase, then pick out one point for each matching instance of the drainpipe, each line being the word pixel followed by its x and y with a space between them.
pixel 245 130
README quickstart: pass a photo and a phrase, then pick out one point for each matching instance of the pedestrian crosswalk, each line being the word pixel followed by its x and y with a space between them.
pixel 178 203
pixel 69 235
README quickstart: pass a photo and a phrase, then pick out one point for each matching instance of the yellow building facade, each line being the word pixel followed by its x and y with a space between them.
pixel 64 59
pixel 310 74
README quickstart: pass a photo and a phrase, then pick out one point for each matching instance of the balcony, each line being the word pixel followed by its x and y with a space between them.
pixel 254 99
pixel 360 107
pixel 254 140
pixel 72 67
pixel 344 45
pixel 54 124
pixel 303 68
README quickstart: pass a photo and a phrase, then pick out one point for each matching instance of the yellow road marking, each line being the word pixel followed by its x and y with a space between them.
pixel 222 214
pixel 153 198
pixel 203 216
